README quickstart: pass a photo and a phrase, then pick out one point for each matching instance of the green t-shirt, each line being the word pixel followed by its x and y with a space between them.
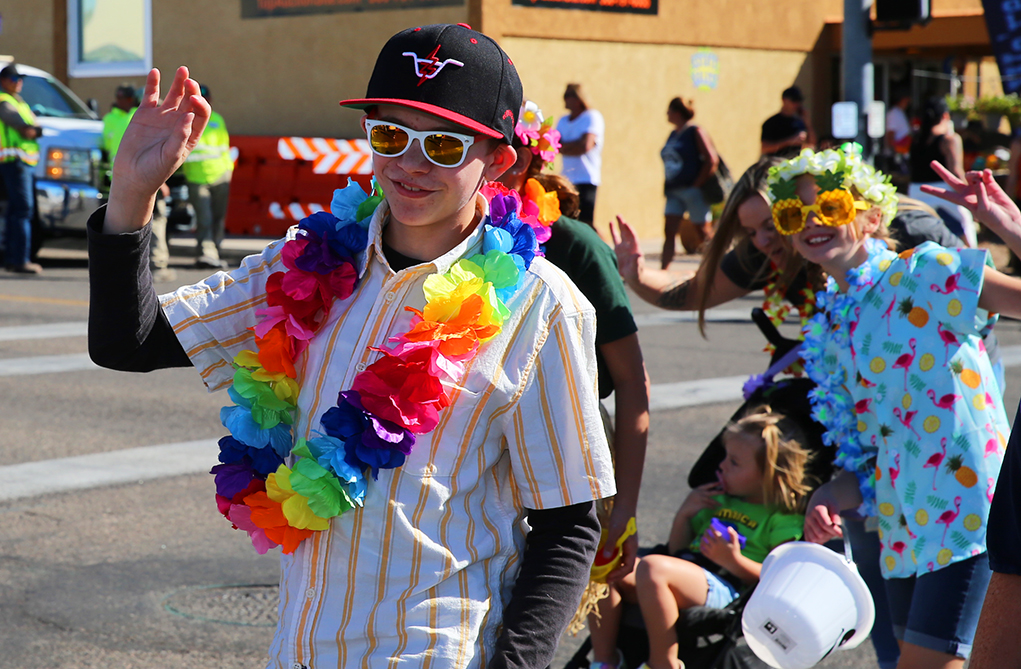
pixel 578 250
pixel 763 529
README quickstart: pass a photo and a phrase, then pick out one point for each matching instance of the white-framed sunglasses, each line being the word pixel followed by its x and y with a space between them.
pixel 441 147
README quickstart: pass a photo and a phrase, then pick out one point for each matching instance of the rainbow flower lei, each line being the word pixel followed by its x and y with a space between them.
pixel 375 423
pixel 832 404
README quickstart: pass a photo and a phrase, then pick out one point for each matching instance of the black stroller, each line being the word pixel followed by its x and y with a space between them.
pixel 711 638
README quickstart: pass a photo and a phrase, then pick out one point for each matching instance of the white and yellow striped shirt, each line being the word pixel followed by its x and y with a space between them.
pixel 420 576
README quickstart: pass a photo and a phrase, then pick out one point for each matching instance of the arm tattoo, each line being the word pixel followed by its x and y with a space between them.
pixel 674 297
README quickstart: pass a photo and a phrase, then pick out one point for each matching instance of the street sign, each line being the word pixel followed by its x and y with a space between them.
pixel 876 113
pixel 845 120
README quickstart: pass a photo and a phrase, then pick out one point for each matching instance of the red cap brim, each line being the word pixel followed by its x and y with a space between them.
pixel 362 103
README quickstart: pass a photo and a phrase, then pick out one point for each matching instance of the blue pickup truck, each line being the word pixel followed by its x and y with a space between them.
pixel 70 179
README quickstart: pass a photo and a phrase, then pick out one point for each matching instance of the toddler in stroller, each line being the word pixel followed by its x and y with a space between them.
pixel 720 536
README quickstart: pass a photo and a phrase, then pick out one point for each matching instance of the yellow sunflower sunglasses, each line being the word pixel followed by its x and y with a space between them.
pixel 833 208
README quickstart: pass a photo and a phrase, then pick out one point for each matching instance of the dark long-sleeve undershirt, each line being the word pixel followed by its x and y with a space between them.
pixel 129 331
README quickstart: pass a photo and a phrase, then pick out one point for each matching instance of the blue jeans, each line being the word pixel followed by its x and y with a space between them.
pixel 865 546
pixel 940 610
pixel 17 178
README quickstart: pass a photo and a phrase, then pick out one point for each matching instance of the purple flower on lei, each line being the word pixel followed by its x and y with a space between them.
pixel 263 460
pixel 369 442
pixel 329 245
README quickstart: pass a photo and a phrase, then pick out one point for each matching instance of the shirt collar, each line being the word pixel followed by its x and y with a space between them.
pixel 470 245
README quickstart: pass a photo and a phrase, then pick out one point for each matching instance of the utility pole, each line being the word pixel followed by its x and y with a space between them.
pixel 856 57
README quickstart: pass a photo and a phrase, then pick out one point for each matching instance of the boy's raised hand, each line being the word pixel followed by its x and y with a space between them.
pixel 154 145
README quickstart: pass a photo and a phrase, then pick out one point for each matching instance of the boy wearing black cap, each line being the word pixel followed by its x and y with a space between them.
pixel 433 564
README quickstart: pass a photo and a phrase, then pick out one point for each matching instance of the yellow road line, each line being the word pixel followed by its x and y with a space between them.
pixel 44 300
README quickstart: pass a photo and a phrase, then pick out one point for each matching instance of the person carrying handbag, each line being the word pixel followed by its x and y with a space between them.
pixel 689 163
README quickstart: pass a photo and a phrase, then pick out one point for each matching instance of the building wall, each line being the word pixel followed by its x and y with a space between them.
pixel 28 31
pixel 631 84
pixel 786 25
pixel 273 76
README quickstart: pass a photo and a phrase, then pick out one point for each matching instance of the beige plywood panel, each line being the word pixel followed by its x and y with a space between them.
pixel 28 32
pixel 273 76
pixel 631 84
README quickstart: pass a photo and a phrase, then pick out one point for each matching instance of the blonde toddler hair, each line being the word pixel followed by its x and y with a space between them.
pixel 782 458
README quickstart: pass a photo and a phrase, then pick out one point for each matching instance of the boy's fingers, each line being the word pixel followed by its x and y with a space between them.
pixel 176 91
pixel 151 93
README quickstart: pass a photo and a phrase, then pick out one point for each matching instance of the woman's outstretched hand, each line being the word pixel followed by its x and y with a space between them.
pixel 154 145
pixel 982 196
pixel 629 252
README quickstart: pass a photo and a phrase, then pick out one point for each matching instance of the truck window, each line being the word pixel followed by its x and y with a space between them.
pixel 49 97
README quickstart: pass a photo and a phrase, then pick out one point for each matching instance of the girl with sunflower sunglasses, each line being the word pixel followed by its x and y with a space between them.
pixel 905 389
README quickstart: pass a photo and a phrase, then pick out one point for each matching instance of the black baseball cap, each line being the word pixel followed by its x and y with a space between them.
pixel 793 94
pixel 10 72
pixel 450 71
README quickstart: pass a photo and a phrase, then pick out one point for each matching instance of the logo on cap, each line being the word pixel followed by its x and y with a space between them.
pixel 430 66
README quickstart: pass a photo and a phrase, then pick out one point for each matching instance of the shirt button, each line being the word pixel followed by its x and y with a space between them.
pixel 299 665
pixel 360 366
pixel 310 593
pixel 389 297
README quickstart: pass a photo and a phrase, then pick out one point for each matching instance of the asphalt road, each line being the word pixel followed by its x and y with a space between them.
pixel 142 573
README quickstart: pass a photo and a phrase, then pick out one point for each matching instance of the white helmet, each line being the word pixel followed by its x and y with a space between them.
pixel 809 602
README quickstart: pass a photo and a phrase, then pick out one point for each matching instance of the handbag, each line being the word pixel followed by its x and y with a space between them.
pixel 719 184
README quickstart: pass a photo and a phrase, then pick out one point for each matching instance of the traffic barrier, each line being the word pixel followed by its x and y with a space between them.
pixel 277 181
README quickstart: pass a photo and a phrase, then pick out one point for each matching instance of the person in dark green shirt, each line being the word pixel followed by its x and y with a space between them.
pixel 577 249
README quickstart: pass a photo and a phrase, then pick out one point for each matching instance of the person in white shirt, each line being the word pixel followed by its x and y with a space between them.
pixel 581 137
pixel 898 126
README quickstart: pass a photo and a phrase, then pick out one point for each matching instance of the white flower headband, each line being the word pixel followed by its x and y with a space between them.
pixel 873 185
pixel 537 134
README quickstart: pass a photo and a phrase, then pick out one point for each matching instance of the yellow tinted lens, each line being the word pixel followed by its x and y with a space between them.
pixel 836 211
pixel 388 140
pixel 788 220
pixel 444 149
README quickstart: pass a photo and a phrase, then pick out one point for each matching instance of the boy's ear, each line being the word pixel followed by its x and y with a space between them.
pixel 523 160
pixel 501 159
pixel 364 118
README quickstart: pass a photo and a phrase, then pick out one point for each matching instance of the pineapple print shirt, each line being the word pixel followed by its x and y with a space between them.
pixel 930 417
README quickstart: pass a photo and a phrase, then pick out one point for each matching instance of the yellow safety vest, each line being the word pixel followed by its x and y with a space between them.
pixel 12 145
pixel 210 160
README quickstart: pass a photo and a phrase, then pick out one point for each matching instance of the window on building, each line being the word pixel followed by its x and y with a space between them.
pixel 109 38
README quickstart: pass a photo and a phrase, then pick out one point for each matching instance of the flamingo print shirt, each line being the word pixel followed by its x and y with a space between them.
pixel 929 412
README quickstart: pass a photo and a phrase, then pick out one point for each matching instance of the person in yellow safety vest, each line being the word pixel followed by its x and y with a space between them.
pixel 19 154
pixel 208 170
pixel 114 125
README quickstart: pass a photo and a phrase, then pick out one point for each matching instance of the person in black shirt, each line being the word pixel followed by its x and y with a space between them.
pixel 788 131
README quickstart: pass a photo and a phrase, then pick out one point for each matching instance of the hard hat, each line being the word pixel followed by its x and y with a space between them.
pixel 809 602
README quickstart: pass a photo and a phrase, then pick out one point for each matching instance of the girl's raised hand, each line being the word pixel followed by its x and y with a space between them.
pixel 980 194
pixel 154 145
pixel 626 246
